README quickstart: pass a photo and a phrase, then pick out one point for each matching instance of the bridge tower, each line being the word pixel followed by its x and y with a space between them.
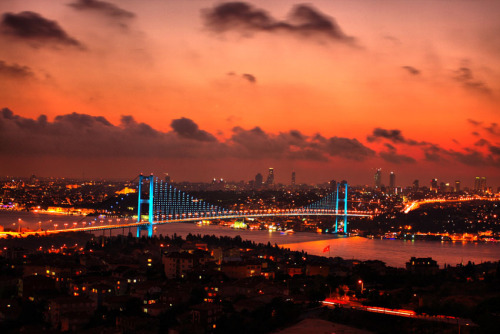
pixel 149 225
pixel 337 200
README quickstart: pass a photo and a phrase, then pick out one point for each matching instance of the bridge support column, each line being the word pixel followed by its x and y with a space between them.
pixel 149 225
pixel 337 210
pixel 337 200
pixel 345 210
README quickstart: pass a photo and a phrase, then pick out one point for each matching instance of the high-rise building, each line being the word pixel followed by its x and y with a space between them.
pixel 480 183
pixel 434 185
pixel 270 177
pixel 457 186
pixel 392 181
pixel 293 178
pixel 333 185
pixel 167 178
pixel 258 180
pixel 416 185
pixel 378 178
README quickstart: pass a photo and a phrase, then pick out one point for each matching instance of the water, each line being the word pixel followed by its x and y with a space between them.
pixel 393 252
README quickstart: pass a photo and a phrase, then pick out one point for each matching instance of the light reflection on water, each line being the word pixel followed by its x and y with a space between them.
pixel 393 252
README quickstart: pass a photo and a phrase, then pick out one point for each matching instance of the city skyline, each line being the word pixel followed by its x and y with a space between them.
pixel 329 90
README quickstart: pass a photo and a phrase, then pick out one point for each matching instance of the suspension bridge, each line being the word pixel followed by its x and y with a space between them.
pixel 166 204
pixel 161 203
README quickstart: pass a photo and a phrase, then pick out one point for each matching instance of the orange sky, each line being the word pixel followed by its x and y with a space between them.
pixel 341 69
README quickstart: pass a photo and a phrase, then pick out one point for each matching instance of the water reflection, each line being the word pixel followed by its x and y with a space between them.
pixel 392 252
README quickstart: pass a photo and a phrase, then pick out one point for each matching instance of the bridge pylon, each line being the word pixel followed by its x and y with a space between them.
pixel 148 226
pixel 337 200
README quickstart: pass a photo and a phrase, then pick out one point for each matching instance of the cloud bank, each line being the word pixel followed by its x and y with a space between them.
pixel 304 21
pixel 77 135
pixel 32 27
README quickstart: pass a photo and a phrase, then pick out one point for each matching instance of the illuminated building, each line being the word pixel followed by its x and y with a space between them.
pixel 293 178
pixel 416 185
pixel 480 183
pixel 422 266
pixel 392 180
pixel 378 178
pixel 434 185
pixel 241 269
pixel 457 186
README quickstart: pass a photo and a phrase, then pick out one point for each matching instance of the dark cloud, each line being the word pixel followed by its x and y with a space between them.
pixel 79 135
pixel 495 150
pixel 102 7
pixel 249 77
pixel 472 158
pixel 186 128
pixel 412 70
pixel 348 148
pixel 33 27
pixel 474 122
pixel 482 142
pixel 475 133
pixel 15 70
pixel 392 135
pixel 464 75
pixel 246 76
pixel 493 129
pixel 391 155
pixel 433 153
pixel 82 120
pixel 303 21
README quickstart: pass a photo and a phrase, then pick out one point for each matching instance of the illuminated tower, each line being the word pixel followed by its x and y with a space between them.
pixel 148 225
pixel 378 178
pixel 293 179
pixel 457 186
pixel 392 180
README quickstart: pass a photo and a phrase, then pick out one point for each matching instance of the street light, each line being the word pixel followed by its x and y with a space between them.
pixel 361 283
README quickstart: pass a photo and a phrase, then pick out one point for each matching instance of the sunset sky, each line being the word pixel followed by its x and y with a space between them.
pixel 202 89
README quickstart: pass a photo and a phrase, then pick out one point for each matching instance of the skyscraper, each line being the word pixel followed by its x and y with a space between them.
pixel 378 178
pixel 392 181
pixel 434 185
pixel 457 186
pixel 293 178
pixel 270 177
pixel 333 185
pixel 480 183
pixel 416 185
pixel 258 180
